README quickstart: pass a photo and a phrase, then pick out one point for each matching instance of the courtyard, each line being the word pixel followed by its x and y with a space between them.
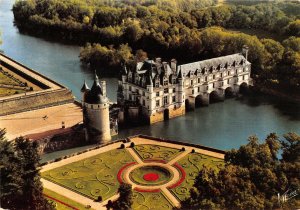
pixel 161 173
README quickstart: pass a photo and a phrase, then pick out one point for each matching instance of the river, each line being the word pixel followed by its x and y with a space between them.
pixel 223 125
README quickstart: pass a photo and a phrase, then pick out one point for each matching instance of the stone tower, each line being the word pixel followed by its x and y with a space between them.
pixel 95 107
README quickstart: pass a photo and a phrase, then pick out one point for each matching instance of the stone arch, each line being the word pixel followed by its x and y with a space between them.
pixel 244 88
pixel 199 101
pixel 214 97
pixel 166 114
pixel 229 92
pixel 187 105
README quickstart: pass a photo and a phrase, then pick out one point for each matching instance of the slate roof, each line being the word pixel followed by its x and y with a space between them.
pixel 214 62
pixel 95 94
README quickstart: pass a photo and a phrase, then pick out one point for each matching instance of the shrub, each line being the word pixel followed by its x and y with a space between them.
pixel 132 144
pixel 122 146
pixel 183 149
pixel 193 151
pixel 58 159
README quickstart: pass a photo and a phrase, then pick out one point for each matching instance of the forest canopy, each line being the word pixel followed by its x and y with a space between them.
pixel 185 30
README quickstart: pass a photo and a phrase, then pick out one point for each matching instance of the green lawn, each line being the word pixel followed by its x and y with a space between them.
pixel 155 152
pixel 6 80
pixel 10 91
pixel 66 200
pixel 146 201
pixel 192 164
pixel 138 174
pixel 92 177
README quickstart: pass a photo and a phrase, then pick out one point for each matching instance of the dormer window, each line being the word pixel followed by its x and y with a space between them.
pixel 156 83
pixel 137 79
pixel 130 77
pixel 173 80
pixel 166 81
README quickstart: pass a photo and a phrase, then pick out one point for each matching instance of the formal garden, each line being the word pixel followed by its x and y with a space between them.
pixel 192 164
pixel 160 176
pixel 10 85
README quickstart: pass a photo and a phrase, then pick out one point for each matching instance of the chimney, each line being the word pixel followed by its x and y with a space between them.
pixel 173 65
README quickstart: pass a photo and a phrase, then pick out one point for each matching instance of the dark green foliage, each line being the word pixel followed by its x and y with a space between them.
pixel 252 177
pixel 21 187
pixel 124 202
pixel 185 30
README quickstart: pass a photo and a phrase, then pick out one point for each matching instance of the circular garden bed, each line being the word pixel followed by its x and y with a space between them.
pixel 150 175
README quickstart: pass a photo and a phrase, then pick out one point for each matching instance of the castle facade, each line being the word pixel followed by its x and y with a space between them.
pixel 159 90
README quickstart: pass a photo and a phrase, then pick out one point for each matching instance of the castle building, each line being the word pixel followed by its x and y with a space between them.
pixel 160 90
pixel 95 105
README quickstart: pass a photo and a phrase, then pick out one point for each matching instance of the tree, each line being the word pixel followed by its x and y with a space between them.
pixel 252 177
pixel 21 187
pixel 124 202
pixel 140 55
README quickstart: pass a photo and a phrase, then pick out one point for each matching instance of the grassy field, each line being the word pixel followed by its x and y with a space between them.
pixel 192 164
pixel 155 152
pixel 64 199
pixel 92 177
pixel 147 201
pixel 7 80
pixel 10 91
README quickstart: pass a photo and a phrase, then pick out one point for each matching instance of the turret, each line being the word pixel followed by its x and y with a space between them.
pixel 83 90
pixel 181 93
pixel 96 112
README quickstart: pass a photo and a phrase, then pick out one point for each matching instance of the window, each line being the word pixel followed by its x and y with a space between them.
pixel 221 74
pixel 205 79
pixel 174 90
pixel 166 90
pixel 157 103
pixel 214 76
pixel 206 87
pixel 157 93
pixel 213 85
pixel 192 82
pixel 165 82
pixel 198 80
pixel 144 102
pixel 129 88
pixel 174 80
pixel 228 81
pixel 165 100
pixel 198 89
pixel 143 93
pixel 193 91
pixel 156 84
pixel 243 77
pixel 173 99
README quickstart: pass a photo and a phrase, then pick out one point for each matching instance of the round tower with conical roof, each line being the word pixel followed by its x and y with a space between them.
pixel 95 107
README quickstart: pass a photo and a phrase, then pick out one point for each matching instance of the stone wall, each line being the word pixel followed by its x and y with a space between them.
pixel 49 144
pixel 157 117
pixel 176 112
pixel 36 100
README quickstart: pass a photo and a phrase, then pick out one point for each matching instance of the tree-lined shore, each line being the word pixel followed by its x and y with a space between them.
pixel 112 32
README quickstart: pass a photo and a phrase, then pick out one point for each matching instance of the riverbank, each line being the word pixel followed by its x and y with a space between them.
pixel 279 94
